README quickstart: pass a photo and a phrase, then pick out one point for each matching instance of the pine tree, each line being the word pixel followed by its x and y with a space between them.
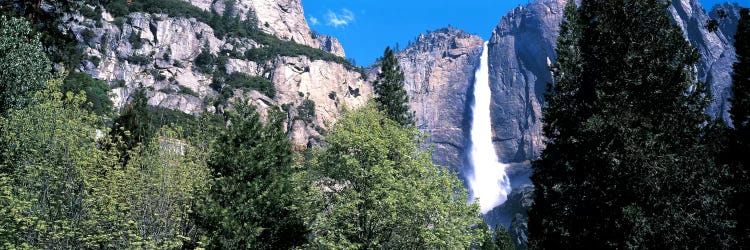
pixel 252 203
pixel 554 172
pixel 740 113
pixel 627 169
pixel 389 90
pixel 134 125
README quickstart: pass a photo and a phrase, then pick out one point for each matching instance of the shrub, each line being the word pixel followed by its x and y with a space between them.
pixel 306 111
pixel 205 61
pixel 187 91
pixel 97 91
pixel 135 40
pixel 244 81
pixel 140 59
pixel 87 35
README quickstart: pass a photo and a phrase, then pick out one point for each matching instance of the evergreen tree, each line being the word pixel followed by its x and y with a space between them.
pixel 379 190
pixel 389 90
pixel 497 239
pixel 24 68
pixel 553 177
pixel 628 168
pixel 134 125
pixel 252 203
pixel 740 113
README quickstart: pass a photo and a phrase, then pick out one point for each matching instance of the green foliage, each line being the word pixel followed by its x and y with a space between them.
pixel 187 91
pixel 379 190
pixel 205 61
pixel 24 68
pixel 53 182
pixel 497 239
pixel 87 34
pixel 740 113
pixel 253 201
pixel 134 126
pixel 175 8
pixel 389 90
pixel 306 111
pixel 275 47
pixel 135 40
pixel 118 9
pixel 624 165
pixel 238 80
pixel 159 187
pixel 97 92
pixel 90 13
pixel 140 59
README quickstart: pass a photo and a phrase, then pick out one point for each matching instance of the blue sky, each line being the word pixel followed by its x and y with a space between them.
pixel 366 27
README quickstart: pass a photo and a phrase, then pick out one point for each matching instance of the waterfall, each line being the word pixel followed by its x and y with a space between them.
pixel 488 182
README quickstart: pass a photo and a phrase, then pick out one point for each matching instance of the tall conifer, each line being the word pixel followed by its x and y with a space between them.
pixel 389 88
pixel 627 169
pixel 740 113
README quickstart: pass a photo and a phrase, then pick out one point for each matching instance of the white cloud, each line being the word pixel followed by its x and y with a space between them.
pixel 342 18
pixel 314 20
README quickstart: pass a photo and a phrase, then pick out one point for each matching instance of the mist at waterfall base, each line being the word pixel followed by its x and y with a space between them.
pixel 488 181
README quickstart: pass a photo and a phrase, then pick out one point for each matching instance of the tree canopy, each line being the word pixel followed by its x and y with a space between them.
pixel 379 190
pixel 625 166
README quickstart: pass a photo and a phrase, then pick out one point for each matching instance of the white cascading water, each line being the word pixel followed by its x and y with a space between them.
pixel 488 182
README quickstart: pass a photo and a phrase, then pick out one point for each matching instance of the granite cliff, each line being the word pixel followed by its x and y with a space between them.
pixel 439 68
pixel 166 55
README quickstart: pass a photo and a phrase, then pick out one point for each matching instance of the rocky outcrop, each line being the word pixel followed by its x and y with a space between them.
pixel 154 51
pixel 439 72
pixel 520 49
pixel 728 15
pixel 716 50
pixel 284 19
pixel 330 86
pixel 160 53
pixel 330 44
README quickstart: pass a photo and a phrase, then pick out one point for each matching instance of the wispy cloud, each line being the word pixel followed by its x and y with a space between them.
pixel 314 20
pixel 342 18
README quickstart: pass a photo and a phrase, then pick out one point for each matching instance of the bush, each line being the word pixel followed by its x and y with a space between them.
pixel 118 9
pixel 205 61
pixel 95 60
pixel 306 111
pixel 87 35
pixel 97 91
pixel 135 40
pixel 244 81
pixel 140 60
pixel 187 91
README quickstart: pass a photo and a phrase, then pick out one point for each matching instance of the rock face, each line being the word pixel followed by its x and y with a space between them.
pixel 522 46
pixel 716 49
pixel 520 49
pixel 161 53
pixel 154 51
pixel 330 44
pixel 439 73
pixel 284 19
